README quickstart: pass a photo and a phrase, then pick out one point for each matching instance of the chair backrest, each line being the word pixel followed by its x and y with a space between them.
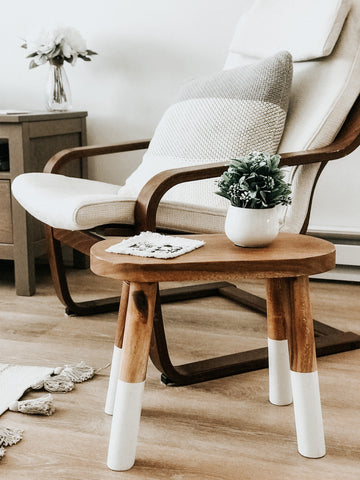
pixel 323 38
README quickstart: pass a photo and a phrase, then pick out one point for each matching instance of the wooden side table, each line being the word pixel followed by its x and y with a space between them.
pixel 285 264
pixel 31 140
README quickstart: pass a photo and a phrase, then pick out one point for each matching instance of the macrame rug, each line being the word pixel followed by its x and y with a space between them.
pixel 15 380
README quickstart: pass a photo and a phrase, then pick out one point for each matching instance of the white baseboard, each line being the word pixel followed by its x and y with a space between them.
pixel 341 273
pixel 347 244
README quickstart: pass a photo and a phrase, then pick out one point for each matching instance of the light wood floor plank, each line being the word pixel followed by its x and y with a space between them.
pixel 220 430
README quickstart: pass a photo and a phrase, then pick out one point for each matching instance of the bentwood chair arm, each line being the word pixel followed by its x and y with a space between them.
pixel 347 140
pixel 151 194
pixel 153 191
pixel 58 160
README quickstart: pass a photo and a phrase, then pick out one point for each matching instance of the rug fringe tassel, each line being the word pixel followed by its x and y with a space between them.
pixel 58 384
pixel 77 373
pixel 40 406
pixel 65 377
pixel 9 437
pixel 63 380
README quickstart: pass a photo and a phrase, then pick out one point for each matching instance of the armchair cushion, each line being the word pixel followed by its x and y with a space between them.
pixel 71 203
pixel 80 204
pixel 307 29
pixel 214 119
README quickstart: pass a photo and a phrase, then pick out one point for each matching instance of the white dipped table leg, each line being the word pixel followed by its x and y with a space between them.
pixel 113 380
pixel 278 315
pixel 280 392
pixel 130 386
pixel 116 357
pixel 308 416
pixel 125 425
pixel 304 375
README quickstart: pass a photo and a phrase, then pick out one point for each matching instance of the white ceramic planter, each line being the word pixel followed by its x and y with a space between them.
pixel 250 227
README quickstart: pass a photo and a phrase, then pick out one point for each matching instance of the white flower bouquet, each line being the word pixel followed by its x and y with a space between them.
pixel 63 44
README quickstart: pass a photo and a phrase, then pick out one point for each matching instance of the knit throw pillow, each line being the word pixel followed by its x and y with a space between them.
pixel 216 118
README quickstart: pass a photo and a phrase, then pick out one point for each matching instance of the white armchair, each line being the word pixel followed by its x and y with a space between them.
pixel 213 119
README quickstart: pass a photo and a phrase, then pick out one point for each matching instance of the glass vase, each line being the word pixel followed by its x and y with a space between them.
pixel 58 94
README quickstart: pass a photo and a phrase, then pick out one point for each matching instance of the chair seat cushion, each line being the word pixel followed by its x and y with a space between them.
pixel 71 203
pixel 80 204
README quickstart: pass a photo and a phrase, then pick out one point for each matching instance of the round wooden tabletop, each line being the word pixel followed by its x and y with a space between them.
pixel 290 255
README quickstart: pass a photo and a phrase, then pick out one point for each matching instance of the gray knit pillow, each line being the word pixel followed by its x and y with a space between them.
pixel 217 118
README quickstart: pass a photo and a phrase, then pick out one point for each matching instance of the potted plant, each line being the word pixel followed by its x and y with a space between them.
pixel 255 185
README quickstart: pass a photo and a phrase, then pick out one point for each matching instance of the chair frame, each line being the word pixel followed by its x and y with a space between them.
pixel 328 339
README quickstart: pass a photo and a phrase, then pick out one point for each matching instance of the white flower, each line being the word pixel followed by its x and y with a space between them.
pixel 61 44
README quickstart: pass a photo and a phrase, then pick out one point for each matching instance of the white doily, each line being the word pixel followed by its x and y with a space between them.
pixel 151 244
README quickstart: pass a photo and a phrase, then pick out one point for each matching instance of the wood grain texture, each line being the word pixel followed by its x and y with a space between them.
pixel 301 329
pixel 6 231
pixel 289 255
pixel 120 326
pixel 220 430
pixel 137 334
pixel 278 307
pixel 60 159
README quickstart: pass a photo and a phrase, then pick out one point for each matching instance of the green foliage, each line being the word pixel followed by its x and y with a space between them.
pixel 255 181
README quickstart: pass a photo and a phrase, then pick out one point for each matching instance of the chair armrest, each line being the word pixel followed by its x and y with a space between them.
pixel 151 194
pixel 149 198
pixel 58 160
pixel 333 151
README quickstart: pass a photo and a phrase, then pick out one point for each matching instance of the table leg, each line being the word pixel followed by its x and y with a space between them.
pixel 278 315
pixel 135 353
pixel 304 376
pixel 116 358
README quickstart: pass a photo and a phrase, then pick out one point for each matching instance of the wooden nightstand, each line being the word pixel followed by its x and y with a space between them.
pixel 32 139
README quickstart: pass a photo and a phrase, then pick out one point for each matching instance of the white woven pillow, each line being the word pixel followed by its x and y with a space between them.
pixel 216 118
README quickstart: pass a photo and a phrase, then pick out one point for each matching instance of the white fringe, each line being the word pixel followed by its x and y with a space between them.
pixel 39 406
pixel 65 377
pixel 77 373
pixel 9 437
pixel 63 381
pixel 58 384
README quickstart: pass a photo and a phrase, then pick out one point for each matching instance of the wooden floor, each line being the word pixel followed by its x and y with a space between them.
pixel 220 430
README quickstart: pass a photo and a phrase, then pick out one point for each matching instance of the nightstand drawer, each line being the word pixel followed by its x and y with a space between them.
pixel 6 233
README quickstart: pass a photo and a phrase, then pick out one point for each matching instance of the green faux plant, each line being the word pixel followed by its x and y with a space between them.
pixel 255 181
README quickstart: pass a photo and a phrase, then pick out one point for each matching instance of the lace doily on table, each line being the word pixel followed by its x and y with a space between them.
pixel 156 245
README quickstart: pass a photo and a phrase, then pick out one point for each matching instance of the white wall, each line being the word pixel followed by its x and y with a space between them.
pixel 147 49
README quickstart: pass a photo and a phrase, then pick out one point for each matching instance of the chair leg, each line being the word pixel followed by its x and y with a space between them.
pixel 204 370
pixel 61 285
pixel 328 340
